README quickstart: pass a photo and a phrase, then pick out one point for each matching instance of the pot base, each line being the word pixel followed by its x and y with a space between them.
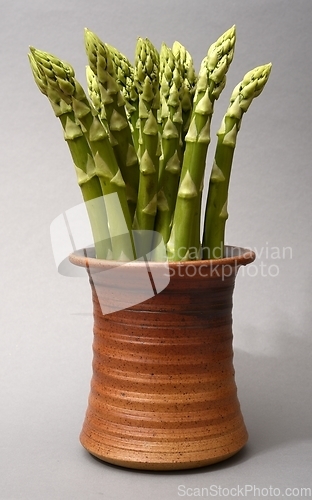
pixel 165 461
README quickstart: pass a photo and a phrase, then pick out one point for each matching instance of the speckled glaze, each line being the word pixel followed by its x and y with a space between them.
pixel 163 394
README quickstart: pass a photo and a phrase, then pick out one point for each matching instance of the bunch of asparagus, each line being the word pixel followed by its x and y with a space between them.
pixel 141 138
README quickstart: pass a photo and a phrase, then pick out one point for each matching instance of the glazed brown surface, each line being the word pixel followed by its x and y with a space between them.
pixel 163 393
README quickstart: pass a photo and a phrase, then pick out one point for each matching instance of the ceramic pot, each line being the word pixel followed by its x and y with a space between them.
pixel 163 393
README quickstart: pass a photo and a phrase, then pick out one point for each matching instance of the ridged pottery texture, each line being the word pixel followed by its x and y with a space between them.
pixel 163 394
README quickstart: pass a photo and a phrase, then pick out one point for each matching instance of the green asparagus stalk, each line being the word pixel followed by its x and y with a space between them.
pixel 132 107
pixel 114 104
pixel 147 84
pixel 83 161
pixel 62 80
pixel 171 120
pixel 189 84
pixel 216 209
pixel 125 79
pixel 95 95
pixel 122 66
pixel 184 242
pixel 131 96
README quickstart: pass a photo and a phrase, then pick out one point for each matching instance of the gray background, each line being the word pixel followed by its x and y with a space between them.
pixel 46 322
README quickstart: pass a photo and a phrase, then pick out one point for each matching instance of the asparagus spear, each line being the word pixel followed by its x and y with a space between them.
pixel 125 79
pixel 170 162
pixel 189 83
pixel 131 96
pixel 122 66
pixel 103 67
pixel 132 108
pixel 83 161
pixel 216 209
pixel 147 84
pixel 62 80
pixel 184 242
pixel 95 95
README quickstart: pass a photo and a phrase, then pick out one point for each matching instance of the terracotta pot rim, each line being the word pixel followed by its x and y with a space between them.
pixel 239 257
